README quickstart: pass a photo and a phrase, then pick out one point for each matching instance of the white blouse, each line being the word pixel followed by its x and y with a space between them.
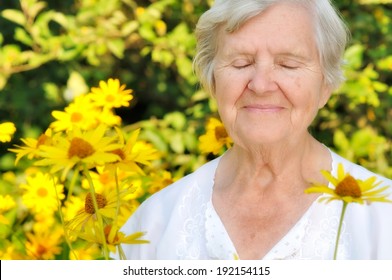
pixel 181 223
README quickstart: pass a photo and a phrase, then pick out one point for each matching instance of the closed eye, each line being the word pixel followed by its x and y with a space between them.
pixel 288 66
pixel 241 66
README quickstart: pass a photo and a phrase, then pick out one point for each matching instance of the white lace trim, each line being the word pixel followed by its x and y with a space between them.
pixel 192 238
pixel 312 237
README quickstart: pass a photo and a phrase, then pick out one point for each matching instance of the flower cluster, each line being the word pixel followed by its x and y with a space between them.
pixel 86 176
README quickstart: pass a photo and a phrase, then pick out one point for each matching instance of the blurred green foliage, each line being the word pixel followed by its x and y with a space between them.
pixel 51 51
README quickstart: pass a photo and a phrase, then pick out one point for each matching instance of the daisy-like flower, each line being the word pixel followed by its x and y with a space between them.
pixel 72 206
pixel 107 201
pixel 109 118
pixel 349 190
pixel 85 253
pixel 7 130
pixel 44 245
pixel 41 193
pixel 215 138
pixel 6 203
pixel 132 153
pixel 160 180
pixel 80 113
pixel 91 148
pixel 31 148
pixel 10 251
pixel 43 221
pixel 111 94
pixel 114 238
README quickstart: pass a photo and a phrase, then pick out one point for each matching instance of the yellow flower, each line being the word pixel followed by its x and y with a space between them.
pixel 31 148
pixel 160 180
pixel 113 238
pixel 111 94
pixel 108 200
pixel 6 203
pixel 127 209
pixel 72 206
pixel 132 153
pixel 85 253
pixel 44 245
pixel 80 113
pixel 109 118
pixel 7 130
pixel 44 220
pixel 78 147
pixel 10 251
pixel 40 193
pixel 349 189
pixel 215 138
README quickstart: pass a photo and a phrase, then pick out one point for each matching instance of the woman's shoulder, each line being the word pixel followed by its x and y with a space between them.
pixel 201 178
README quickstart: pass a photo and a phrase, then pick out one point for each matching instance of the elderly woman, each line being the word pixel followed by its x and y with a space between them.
pixel 270 65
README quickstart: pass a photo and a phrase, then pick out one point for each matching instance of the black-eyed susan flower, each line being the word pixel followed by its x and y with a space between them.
pixel 132 154
pixel 160 180
pixel 92 252
pixel 349 190
pixel 90 148
pixel 7 130
pixel 41 193
pixel 6 203
pixel 114 238
pixel 80 113
pixel 31 146
pixel 107 202
pixel 111 94
pixel 215 138
pixel 44 245
pixel 109 118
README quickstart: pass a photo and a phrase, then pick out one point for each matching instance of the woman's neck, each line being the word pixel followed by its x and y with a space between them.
pixel 271 164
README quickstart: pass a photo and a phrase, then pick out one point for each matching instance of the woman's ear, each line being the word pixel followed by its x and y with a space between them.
pixel 325 95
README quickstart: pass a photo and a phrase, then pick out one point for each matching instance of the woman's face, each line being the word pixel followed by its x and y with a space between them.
pixel 268 80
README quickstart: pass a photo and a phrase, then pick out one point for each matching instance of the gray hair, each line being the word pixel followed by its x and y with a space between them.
pixel 331 35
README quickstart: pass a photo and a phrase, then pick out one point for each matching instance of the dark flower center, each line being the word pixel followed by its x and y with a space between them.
pixel 89 203
pixel 120 153
pixel 220 132
pixel 348 187
pixel 80 148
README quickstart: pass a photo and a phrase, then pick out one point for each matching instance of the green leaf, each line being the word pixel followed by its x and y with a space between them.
pixel 117 47
pixel 22 36
pixel 176 143
pixel 3 80
pixel 353 56
pixel 340 140
pixel 176 119
pixel 14 16
pixel 36 8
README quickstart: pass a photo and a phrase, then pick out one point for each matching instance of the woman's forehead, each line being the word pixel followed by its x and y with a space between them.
pixel 281 25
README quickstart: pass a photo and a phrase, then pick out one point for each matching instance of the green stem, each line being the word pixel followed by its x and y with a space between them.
pixel 72 184
pixel 98 215
pixel 62 221
pixel 121 252
pixel 344 207
pixel 118 196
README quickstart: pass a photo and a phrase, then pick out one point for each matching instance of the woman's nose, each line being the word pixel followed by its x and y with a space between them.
pixel 262 80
